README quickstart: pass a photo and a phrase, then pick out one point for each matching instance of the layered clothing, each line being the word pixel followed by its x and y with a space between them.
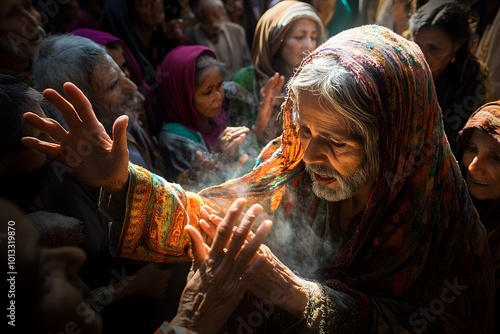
pixel 416 259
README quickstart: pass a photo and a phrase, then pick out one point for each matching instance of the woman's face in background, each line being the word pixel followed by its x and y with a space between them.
pixel 438 48
pixel 300 39
pixel 150 12
pixel 209 93
pixel 481 159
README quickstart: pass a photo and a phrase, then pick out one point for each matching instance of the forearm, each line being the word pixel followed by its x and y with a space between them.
pixel 150 225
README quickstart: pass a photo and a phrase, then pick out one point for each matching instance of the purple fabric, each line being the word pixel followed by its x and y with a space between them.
pixel 176 77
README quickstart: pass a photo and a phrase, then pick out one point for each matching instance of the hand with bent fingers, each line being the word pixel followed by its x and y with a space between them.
pixel 230 140
pixel 221 274
pixel 86 149
pixel 275 282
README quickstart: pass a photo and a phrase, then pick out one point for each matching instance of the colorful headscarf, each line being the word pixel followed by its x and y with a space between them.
pixel 272 28
pixel 487 118
pixel 176 76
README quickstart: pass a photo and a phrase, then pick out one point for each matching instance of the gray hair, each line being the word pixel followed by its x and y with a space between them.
pixel 63 58
pixel 205 62
pixel 340 94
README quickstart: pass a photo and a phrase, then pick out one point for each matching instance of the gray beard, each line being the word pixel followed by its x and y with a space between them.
pixel 107 115
pixel 347 186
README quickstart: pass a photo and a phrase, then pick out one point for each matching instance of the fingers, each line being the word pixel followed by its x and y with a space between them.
pixel 197 246
pixel 249 262
pixel 208 228
pixel 41 146
pixel 120 136
pixel 48 126
pixel 80 102
pixel 253 244
pixel 241 232
pixel 281 82
pixel 64 107
pixel 225 228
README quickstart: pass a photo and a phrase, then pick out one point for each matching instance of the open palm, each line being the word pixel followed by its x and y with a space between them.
pixel 86 150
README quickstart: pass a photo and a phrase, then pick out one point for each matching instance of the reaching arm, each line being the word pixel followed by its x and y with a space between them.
pixel 86 150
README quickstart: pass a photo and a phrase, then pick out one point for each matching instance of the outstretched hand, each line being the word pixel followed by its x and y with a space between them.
pixel 221 274
pixel 86 150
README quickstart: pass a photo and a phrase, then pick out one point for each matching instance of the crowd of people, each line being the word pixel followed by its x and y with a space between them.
pixel 210 166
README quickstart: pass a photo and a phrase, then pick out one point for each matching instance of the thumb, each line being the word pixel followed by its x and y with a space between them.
pixel 198 246
pixel 120 136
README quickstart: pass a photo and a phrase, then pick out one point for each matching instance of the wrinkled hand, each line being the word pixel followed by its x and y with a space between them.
pixel 220 275
pixel 86 149
pixel 275 282
pixel 270 97
pixel 151 281
pixel 230 140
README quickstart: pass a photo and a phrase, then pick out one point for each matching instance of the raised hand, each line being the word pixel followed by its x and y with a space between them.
pixel 270 97
pixel 85 150
pixel 221 274
pixel 230 140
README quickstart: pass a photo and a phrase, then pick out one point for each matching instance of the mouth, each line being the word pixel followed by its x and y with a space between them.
pixel 324 180
pixel 476 182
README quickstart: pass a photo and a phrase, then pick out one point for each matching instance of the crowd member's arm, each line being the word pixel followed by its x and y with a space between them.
pixel 85 149
pixel 149 214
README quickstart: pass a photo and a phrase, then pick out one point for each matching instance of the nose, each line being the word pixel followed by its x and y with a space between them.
pixel 313 152
pixel 476 166
pixel 220 93
pixel 129 85
pixel 68 259
pixel 310 44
